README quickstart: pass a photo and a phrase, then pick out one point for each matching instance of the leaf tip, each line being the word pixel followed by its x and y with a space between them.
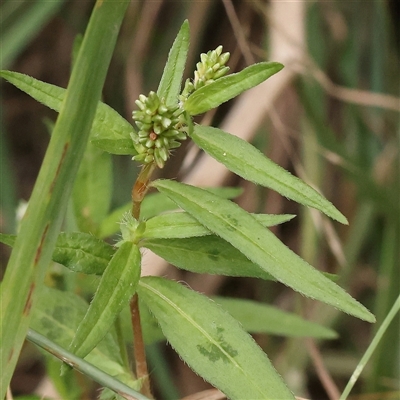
pixel 185 28
pixel 362 313
pixel 369 317
pixel 341 218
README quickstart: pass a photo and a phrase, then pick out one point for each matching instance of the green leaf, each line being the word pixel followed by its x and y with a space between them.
pixel 171 80
pixel 206 255
pixel 261 318
pixel 93 189
pixel 110 132
pixel 57 316
pixel 7 239
pixel 80 252
pixel 117 285
pixel 151 330
pixel 228 87
pixel 248 162
pixel 173 225
pixel 225 192
pixel 110 225
pixel 178 225
pixel 236 226
pixel 152 205
pixel 211 342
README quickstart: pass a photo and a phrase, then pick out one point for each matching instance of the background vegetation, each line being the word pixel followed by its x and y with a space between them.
pixel 332 117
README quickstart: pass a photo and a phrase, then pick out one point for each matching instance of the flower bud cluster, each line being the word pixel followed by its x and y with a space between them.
pixel 160 129
pixel 211 67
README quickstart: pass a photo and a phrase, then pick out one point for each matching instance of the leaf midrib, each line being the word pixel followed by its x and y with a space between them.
pixel 202 331
pixel 261 171
pixel 219 216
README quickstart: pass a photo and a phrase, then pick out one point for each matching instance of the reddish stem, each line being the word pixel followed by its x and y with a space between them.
pixel 138 349
pixel 138 192
pixel 140 188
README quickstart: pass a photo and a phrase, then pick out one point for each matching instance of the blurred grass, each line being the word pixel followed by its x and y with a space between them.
pixel 20 21
pixel 349 151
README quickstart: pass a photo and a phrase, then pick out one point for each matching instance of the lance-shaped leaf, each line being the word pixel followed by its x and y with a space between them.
pixel 248 162
pixel 170 84
pixel 152 205
pixel 117 285
pixel 206 255
pixel 211 342
pixel 228 87
pixel 236 226
pixel 110 131
pixel 257 317
pixel 182 225
pixel 80 252
pixel 57 316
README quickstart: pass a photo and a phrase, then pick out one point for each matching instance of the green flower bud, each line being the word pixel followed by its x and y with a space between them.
pixel 161 128
pixel 211 67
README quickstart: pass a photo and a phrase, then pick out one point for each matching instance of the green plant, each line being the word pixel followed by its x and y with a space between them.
pixel 232 241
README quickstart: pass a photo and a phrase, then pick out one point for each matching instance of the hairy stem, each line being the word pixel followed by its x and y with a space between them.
pixel 139 351
pixel 139 190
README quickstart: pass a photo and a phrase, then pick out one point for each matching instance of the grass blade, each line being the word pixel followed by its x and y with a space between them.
pixel 84 367
pixel 371 348
pixel 40 226
pixel 15 38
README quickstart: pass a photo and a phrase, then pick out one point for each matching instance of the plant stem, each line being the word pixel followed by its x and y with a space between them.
pixel 138 347
pixel 140 188
pixel 138 192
